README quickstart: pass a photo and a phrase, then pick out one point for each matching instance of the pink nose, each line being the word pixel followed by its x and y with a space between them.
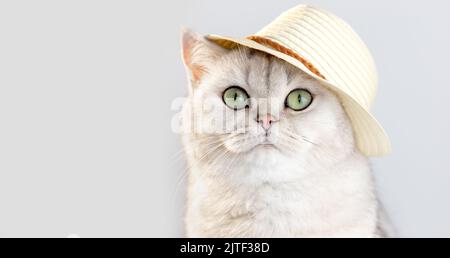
pixel 266 121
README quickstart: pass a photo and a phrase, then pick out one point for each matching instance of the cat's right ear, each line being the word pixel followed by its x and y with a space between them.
pixel 198 54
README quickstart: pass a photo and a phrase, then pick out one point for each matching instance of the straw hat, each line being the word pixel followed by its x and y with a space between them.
pixel 326 47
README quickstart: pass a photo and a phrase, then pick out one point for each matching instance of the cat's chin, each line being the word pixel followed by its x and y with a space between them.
pixel 259 149
pixel 266 147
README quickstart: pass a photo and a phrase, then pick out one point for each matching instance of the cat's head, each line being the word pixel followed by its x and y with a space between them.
pixel 249 103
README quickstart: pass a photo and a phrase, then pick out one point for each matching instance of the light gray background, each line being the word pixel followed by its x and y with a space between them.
pixel 86 146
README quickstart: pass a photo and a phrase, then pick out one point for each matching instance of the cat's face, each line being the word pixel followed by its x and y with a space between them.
pixel 250 103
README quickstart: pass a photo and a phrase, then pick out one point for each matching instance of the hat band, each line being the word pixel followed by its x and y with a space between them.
pixel 276 46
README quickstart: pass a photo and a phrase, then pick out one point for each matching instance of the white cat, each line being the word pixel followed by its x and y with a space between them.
pixel 270 151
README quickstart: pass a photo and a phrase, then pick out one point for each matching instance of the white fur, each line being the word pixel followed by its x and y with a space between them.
pixel 311 183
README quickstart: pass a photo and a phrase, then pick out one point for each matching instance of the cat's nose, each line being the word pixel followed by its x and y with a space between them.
pixel 266 121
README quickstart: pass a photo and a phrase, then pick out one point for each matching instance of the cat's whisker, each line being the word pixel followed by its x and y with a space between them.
pixel 190 166
pixel 300 137
pixel 187 169
pixel 219 155
pixel 227 155
pixel 318 153
pixel 178 156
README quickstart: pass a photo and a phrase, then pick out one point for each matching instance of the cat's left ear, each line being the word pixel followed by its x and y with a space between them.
pixel 198 54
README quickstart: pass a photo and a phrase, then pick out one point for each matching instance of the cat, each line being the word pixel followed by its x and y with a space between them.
pixel 270 151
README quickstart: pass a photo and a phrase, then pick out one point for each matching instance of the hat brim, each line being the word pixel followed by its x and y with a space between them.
pixel 370 137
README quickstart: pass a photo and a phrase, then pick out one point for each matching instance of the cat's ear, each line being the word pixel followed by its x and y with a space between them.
pixel 198 54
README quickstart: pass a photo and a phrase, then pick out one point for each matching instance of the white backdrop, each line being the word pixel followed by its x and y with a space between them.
pixel 86 89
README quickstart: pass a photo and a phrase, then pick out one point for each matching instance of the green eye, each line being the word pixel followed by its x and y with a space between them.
pixel 236 98
pixel 299 100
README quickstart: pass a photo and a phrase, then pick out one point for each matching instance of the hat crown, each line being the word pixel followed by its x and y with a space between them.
pixel 331 46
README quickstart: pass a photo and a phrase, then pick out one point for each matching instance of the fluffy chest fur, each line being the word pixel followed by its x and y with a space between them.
pixel 334 202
